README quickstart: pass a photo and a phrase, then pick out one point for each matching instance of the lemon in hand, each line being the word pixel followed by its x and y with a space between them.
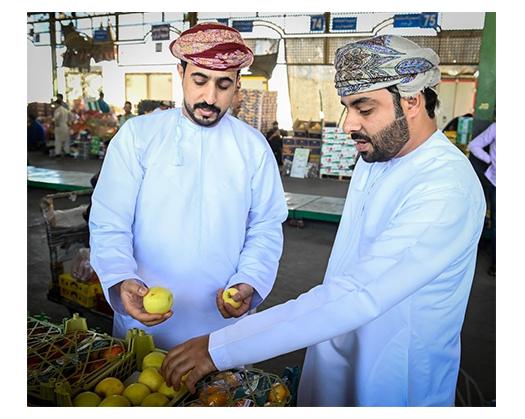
pixel 227 297
pixel 158 300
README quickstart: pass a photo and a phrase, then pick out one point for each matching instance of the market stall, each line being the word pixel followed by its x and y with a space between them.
pixel 71 365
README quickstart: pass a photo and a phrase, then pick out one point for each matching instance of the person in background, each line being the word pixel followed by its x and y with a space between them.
pixel 127 113
pixel 162 106
pixel 61 121
pixel 275 139
pixel 36 134
pixel 384 327
pixel 477 148
pixel 189 199
pixel 104 107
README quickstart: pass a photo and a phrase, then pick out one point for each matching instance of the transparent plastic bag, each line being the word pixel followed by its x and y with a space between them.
pixel 80 267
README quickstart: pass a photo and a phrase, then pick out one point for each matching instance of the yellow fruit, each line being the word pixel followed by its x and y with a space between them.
pixel 109 386
pixel 151 377
pixel 170 391
pixel 155 400
pixel 86 399
pixel 227 297
pixel 278 393
pixel 158 300
pixel 115 400
pixel 153 359
pixel 136 392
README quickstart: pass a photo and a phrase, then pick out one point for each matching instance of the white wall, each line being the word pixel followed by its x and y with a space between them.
pixel 39 74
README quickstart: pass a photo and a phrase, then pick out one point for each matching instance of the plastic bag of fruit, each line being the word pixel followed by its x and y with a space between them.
pixel 240 388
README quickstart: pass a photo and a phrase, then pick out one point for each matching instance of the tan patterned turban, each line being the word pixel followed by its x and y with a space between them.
pixel 212 46
pixel 383 61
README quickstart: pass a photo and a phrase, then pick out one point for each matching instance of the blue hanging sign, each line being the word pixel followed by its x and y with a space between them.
pixel 100 35
pixel 243 25
pixel 160 32
pixel 317 23
pixel 224 21
pixel 428 20
pixel 419 20
pixel 407 21
pixel 344 23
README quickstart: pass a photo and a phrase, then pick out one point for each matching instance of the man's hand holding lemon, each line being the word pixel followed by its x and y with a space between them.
pixel 234 301
pixel 133 295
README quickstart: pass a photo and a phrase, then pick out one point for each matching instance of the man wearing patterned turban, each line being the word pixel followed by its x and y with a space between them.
pixel 383 329
pixel 189 199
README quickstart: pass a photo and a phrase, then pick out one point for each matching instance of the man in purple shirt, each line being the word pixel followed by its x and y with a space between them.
pixel 476 147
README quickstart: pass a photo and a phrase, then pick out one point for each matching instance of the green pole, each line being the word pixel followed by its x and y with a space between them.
pixel 486 90
pixel 53 38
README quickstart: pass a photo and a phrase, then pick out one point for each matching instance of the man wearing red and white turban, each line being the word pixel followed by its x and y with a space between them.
pixel 189 199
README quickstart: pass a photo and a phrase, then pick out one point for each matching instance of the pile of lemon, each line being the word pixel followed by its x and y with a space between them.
pixel 150 390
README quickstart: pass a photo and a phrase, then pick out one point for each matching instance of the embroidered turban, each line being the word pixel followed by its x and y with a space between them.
pixel 212 46
pixel 383 61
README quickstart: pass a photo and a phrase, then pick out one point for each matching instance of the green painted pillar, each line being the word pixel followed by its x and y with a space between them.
pixel 486 91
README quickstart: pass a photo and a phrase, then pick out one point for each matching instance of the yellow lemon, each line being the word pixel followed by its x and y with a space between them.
pixel 153 359
pixel 171 392
pixel 115 400
pixel 155 400
pixel 158 300
pixel 86 399
pixel 136 392
pixel 227 297
pixel 151 377
pixel 109 386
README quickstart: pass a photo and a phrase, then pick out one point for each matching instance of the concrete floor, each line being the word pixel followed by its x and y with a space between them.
pixel 305 256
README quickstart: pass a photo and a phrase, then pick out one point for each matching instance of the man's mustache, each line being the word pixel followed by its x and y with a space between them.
pixel 206 107
pixel 360 136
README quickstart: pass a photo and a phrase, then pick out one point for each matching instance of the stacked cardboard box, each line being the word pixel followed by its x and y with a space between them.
pixel 269 110
pixel 40 110
pixel 337 152
pixel 258 108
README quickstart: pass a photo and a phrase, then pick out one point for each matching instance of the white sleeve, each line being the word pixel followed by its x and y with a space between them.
pixel 112 214
pixel 263 245
pixel 428 234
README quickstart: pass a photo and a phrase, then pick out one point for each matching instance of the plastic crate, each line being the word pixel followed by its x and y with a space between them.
pixel 40 330
pixel 83 293
pixel 65 364
pixel 61 237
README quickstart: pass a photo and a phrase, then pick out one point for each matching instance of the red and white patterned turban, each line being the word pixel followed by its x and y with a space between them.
pixel 212 46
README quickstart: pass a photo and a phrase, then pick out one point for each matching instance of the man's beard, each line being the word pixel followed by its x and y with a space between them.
pixel 203 105
pixel 387 143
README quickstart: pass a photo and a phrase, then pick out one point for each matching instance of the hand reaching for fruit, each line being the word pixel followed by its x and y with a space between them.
pixel 132 295
pixel 191 360
pixel 235 301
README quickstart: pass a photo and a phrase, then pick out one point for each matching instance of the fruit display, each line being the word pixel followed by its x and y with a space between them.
pixel 70 365
pixel 145 388
pixel 239 388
